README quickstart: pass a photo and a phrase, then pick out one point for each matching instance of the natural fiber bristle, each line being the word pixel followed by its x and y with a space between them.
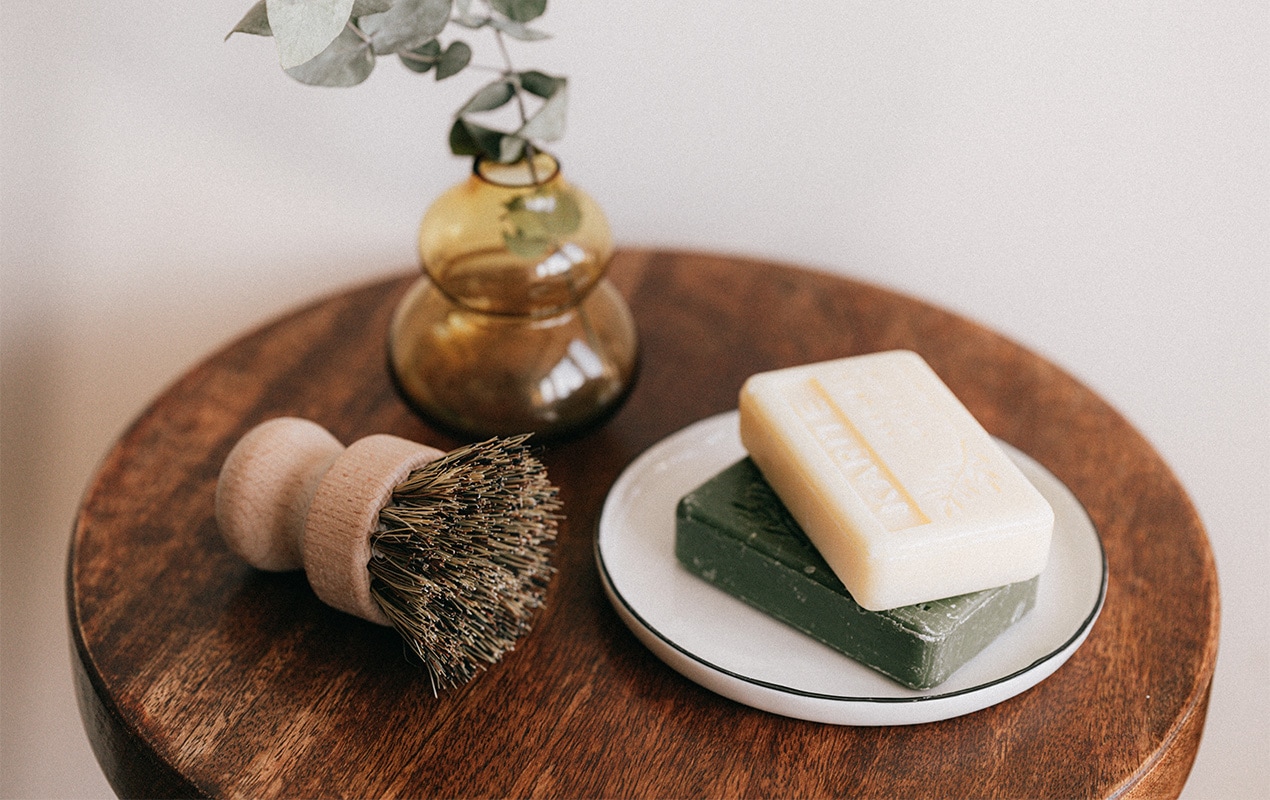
pixel 461 558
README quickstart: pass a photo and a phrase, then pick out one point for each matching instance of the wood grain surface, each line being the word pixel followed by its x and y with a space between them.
pixel 197 675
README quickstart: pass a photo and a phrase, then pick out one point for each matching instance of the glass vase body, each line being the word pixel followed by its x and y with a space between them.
pixel 513 327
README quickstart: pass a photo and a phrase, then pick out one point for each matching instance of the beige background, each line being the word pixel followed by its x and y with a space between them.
pixel 1089 178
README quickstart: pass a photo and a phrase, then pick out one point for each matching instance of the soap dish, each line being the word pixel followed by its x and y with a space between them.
pixel 738 652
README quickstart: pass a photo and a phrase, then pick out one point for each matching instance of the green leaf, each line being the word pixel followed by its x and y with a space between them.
pixel 540 83
pixel 516 30
pixel 547 123
pixel 470 139
pixel 304 28
pixel 511 149
pixel 519 10
pixel 362 8
pixel 537 222
pixel 544 213
pixel 457 56
pixel 347 61
pixel 423 58
pixel 525 246
pixel 255 22
pixel 407 25
pixel 462 142
pixel 567 217
pixel 489 97
pixel 473 21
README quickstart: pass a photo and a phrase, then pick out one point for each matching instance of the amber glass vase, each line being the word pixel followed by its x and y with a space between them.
pixel 513 327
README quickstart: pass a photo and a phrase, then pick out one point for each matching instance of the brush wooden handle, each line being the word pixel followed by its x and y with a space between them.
pixel 290 496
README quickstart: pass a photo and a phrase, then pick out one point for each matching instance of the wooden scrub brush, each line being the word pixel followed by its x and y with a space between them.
pixel 451 549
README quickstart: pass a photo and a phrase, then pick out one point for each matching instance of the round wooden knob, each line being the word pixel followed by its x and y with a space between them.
pixel 266 487
pixel 291 496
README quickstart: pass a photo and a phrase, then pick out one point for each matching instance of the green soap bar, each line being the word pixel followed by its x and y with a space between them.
pixel 734 532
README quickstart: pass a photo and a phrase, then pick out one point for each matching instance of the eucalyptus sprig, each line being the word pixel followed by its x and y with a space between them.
pixel 337 42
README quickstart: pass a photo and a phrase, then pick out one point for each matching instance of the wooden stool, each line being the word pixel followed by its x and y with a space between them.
pixel 198 675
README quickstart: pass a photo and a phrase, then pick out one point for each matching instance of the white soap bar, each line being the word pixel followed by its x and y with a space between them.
pixel 898 486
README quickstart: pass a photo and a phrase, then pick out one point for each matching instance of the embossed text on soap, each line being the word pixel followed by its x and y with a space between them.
pixel 957 474
pixel 864 470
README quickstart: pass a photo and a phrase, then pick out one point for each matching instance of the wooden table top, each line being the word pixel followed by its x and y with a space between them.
pixel 197 675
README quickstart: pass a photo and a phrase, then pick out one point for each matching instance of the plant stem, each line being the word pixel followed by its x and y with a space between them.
pixel 511 75
pixel 517 92
pixel 365 39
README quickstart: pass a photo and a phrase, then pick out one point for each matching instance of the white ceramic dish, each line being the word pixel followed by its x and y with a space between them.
pixel 738 652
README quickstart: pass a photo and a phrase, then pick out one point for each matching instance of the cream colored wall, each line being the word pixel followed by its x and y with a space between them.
pixel 1089 178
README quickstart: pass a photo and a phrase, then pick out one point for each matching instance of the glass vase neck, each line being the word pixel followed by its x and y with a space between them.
pixel 512 240
pixel 538 170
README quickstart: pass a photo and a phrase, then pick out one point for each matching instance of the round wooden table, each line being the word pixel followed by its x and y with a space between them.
pixel 197 675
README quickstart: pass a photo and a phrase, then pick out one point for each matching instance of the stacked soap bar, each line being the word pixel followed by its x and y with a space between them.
pixel 899 488
pixel 734 532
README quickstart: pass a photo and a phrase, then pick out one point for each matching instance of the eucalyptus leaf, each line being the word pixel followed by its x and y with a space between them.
pixel 255 22
pixel 422 58
pixel 462 141
pixel 567 217
pixel 347 61
pixel 545 213
pixel 547 123
pixel 511 149
pixel 469 20
pixel 471 139
pixel 304 28
pixel 516 30
pixel 489 97
pixel 540 83
pixel 526 246
pixel 336 42
pixel 537 222
pixel 363 7
pixel 519 10
pixel 407 25
pixel 457 56
pixel 465 16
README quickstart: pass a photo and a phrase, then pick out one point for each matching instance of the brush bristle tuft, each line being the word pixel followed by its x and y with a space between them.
pixel 461 558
